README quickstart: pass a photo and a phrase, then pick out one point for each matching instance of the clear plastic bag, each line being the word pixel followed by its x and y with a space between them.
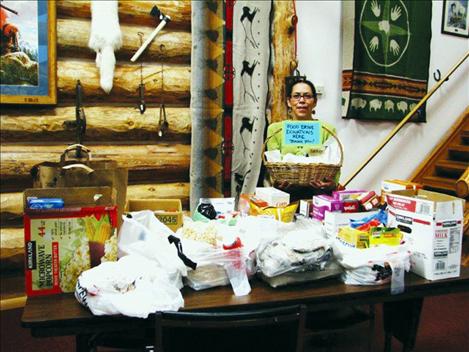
pixel 217 267
pixel 295 251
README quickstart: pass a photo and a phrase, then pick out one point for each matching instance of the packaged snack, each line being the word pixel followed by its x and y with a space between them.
pixel 322 203
pixel 353 238
pixel 350 206
pixel 385 236
pixel 62 243
pixel 274 197
pixel 347 194
pixel 284 214
pixel 45 203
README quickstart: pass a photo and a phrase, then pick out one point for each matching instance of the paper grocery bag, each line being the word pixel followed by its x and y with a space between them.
pixel 83 171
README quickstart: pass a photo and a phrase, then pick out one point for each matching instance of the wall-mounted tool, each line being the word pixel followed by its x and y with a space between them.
pixel 155 12
pixel 79 125
pixel 163 124
pixel 141 88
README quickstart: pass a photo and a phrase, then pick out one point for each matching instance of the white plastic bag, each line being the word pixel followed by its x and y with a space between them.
pixel 132 286
pixel 374 266
pixel 143 234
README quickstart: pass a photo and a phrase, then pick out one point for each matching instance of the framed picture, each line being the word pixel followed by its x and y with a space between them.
pixel 28 56
pixel 455 19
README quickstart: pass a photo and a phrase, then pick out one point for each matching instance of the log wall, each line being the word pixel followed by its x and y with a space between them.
pixel 158 166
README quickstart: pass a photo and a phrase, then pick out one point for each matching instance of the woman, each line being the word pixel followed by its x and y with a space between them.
pixel 301 100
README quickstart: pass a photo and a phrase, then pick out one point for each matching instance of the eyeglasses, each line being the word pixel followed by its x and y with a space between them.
pixel 305 96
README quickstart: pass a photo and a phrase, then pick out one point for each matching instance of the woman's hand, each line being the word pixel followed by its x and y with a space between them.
pixel 326 185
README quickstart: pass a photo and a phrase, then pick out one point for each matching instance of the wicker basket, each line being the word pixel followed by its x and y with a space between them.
pixel 299 173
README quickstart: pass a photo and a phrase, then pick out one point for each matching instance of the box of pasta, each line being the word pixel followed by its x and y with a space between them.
pixel 63 237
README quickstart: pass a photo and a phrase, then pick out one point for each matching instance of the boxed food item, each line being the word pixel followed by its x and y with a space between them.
pixel 306 207
pixel 62 243
pixel 353 238
pixel 273 196
pixel 334 221
pixel 322 203
pixel 388 186
pixel 347 194
pixel 350 206
pixel 432 224
pixel 168 211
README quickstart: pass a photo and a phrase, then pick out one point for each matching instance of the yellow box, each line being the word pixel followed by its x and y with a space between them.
pixel 168 211
pixel 353 237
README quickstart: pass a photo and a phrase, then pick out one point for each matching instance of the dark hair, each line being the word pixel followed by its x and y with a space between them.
pixel 301 79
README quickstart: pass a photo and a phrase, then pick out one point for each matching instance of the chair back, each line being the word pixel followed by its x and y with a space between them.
pixel 226 331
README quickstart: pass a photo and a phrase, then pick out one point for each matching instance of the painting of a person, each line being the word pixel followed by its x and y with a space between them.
pixel 457 14
pixel 19 43
pixel 8 34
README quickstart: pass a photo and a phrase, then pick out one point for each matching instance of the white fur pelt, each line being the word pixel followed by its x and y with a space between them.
pixel 105 37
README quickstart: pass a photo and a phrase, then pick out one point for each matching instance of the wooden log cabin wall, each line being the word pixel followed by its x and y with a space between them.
pixel 158 166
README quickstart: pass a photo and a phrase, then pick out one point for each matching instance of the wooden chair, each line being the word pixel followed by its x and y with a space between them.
pixel 273 329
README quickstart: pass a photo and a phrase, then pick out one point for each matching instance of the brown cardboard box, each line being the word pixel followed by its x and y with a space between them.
pixel 168 211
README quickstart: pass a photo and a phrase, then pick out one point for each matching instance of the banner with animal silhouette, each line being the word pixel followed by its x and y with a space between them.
pixel 386 54
pixel 251 58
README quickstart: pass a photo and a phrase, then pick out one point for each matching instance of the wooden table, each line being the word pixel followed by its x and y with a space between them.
pixel 61 315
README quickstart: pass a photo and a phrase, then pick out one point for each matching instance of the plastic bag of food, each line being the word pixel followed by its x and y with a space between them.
pixel 217 266
pixel 296 251
pixel 132 286
pixel 374 266
pixel 143 234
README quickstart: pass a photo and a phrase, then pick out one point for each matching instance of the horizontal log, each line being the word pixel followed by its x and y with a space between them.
pixel 12 203
pixel 136 176
pixel 11 248
pixel 103 123
pixel 176 88
pixel 73 35
pixel 17 160
pixel 134 12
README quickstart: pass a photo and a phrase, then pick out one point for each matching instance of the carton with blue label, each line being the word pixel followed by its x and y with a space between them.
pixel 432 224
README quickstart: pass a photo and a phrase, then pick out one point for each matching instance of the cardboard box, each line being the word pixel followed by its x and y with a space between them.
pixel 388 186
pixel 334 221
pixel 324 203
pixel 62 243
pixel 432 224
pixel 273 196
pixel 168 211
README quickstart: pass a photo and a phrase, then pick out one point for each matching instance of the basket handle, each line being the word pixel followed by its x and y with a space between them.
pixel 341 148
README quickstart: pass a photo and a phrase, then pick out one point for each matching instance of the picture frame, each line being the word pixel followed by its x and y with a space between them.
pixel 455 19
pixel 28 52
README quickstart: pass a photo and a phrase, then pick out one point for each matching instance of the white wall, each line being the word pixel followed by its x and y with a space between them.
pixel 319 54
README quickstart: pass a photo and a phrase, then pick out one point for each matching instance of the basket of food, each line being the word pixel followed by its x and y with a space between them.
pixel 302 173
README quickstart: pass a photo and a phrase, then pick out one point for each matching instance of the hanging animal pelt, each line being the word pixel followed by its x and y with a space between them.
pixel 105 37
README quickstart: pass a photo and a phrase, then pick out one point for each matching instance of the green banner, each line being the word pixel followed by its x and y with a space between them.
pixel 390 59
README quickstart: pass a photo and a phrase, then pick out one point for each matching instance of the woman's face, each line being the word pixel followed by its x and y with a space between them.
pixel 301 101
